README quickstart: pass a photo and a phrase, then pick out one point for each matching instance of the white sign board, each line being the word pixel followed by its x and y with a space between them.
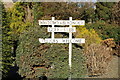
pixel 61 22
pixel 62 40
pixel 62 29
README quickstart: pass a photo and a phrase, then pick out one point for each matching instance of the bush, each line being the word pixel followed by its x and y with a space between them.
pixel 35 59
pixel 97 59
pixel 105 30
pixel 90 35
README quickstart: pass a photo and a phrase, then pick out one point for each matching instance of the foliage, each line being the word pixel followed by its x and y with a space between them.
pixel 90 35
pixel 89 15
pixel 37 11
pixel 13 23
pixel 64 10
pixel 115 13
pixel 97 59
pixel 6 58
pixel 59 9
pixel 35 59
pixel 105 30
pixel 109 42
pixel 103 10
pixel 16 18
pixel 88 12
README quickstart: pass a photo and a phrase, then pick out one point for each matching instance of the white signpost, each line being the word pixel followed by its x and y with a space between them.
pixel 69 29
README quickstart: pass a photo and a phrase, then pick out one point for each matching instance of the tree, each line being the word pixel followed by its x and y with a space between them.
pixel 59 9
pixel 7 56
pixel 115 13
pixel 103 11
pixel 18 22
pixel 37 12
pixel 63 10
pixel 14 21
pixel 88 13
pixel 105 30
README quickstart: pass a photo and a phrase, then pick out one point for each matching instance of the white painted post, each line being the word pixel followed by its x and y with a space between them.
pixel 70 48
pixel 69 40
pixel 70 44
pixel 53 18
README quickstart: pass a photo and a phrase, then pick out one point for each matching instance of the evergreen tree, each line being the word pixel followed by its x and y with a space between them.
pixel 14 21
pixel 88 13
pixel 7 57
pixel 103 10
pixel 18 22
pixel 61 10
pixel 105 30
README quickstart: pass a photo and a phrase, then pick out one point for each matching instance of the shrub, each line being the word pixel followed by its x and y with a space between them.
pixel 97 58
pixel 105 30
pixel 90 35
pixel 35 59
pixel 111 43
